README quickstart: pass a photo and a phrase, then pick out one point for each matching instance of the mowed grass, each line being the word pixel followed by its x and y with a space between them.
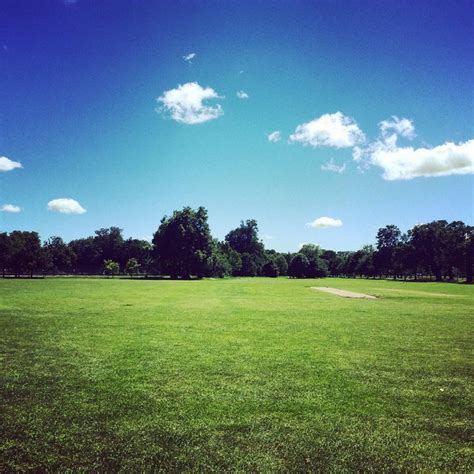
pixel 237 375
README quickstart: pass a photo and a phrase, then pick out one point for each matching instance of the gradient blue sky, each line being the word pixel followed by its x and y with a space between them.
pixel 79 82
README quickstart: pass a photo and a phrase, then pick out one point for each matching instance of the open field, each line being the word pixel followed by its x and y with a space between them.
pixel 239 374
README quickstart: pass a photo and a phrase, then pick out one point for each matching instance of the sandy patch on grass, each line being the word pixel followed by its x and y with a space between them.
pixel 343 293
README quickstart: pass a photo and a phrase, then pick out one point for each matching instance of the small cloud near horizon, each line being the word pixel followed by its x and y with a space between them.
pixel 324 223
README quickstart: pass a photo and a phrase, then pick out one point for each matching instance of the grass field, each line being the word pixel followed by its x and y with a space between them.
pixel 239 374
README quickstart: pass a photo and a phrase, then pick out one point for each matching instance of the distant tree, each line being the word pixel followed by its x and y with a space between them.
pixel 132 267
pixel 61 257
pixel 388 238
pixel 88 255
pixel 182 243
pixel 232 256
pixel 5 252
pixel 430 244
pixel 469 253
pixel 270 269
pixel 282 264
pixel 25 253
pixel 134 248
pixel 109 243
pixel 363 261
pixel 316 266
pixel 244 240
pixel 249 266
pixel 332 261
pixel 298 266
pixel 111 267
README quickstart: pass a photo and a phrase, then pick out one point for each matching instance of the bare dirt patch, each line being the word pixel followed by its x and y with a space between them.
pixel 343 293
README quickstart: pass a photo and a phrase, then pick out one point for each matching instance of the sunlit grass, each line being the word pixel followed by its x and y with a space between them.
pixel 238 374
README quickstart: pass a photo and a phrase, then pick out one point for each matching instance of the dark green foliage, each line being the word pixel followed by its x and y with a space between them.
pixel 249 265
pixel 298 266
pixel 440 249
pixel 270 269
pixel 59 258
pixel 182 243
pixel 25 252
pixel 88 255
pixel 282 264
pixel 244 240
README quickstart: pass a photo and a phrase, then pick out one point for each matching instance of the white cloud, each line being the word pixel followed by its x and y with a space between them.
pixel 274 136
pixel 189 57
pixel 402 127
pixel 324 222
pixel 7 165
pixel 332 166
pixel 9 208
pixel 334 130
pixel 65 206
pixel 268 237
pixel 408 162
pixel 185 103
pixel 242 95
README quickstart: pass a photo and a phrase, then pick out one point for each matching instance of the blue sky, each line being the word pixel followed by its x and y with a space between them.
pixel 373 103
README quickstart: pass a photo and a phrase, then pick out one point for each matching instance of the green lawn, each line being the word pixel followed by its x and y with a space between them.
pixel 239 374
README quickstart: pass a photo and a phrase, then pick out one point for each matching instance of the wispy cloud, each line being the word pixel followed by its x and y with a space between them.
pixel 324 222
pixel 274 136
pixel 334 130
pixel 242 95
pixel 401 126
pixel 189 57
pixel 65 206
pixel 333 167
pixel 185 103
pixel 7 165
pixel 10 208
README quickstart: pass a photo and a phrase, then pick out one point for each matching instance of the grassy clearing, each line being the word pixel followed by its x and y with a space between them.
pixel 240 374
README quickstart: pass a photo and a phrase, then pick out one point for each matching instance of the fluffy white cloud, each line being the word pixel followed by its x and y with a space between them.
pixel 324 222
pixel 65 206
pixel 9 208
pixel 189 57
pixel 332 166
pixel 185 103
pixel 334 130
pixel 401 126
pixel 7 165
pixel 242 95
pixel 274 136
pixel 408 162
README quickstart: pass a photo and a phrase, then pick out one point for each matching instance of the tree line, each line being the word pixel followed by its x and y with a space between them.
pixel 183 247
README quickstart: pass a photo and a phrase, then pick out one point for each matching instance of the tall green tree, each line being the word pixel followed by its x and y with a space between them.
pixel 387 238
pixel 298 266
pixel 244 240
pixel 5 252
pixel 25 253
pixel 182 243
pixel 61 256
